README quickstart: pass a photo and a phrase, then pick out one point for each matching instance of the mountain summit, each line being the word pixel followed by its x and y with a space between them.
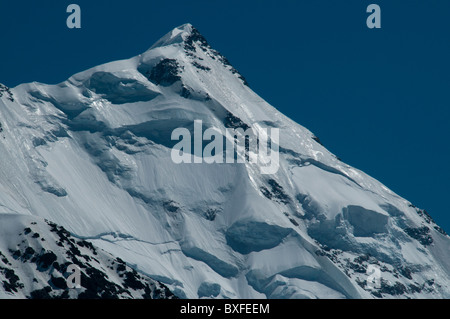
pixel 177 35
pixel 94 155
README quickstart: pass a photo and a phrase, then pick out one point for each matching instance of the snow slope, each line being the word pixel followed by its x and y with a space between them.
pixel 93 154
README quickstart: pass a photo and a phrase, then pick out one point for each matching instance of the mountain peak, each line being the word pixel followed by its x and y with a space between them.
pixel 187 27
pixel 192 42
pixel 83 152
pixel 179 34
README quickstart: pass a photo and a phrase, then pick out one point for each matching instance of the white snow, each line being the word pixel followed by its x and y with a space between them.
pixel 93 155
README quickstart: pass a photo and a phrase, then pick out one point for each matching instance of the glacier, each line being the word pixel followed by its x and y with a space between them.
pixel 93 154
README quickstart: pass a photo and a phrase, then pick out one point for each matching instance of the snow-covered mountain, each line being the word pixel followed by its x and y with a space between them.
pixel 93 154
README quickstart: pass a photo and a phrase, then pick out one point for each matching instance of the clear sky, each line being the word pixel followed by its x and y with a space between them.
pixel 377 98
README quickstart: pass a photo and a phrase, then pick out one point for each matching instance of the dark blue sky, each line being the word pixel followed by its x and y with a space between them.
pixel 378 99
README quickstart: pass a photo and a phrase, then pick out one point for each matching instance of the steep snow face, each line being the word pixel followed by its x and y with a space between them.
pixel 93 154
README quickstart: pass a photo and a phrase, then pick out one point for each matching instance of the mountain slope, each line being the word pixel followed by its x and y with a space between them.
pixel 93 154
pixel 35 256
